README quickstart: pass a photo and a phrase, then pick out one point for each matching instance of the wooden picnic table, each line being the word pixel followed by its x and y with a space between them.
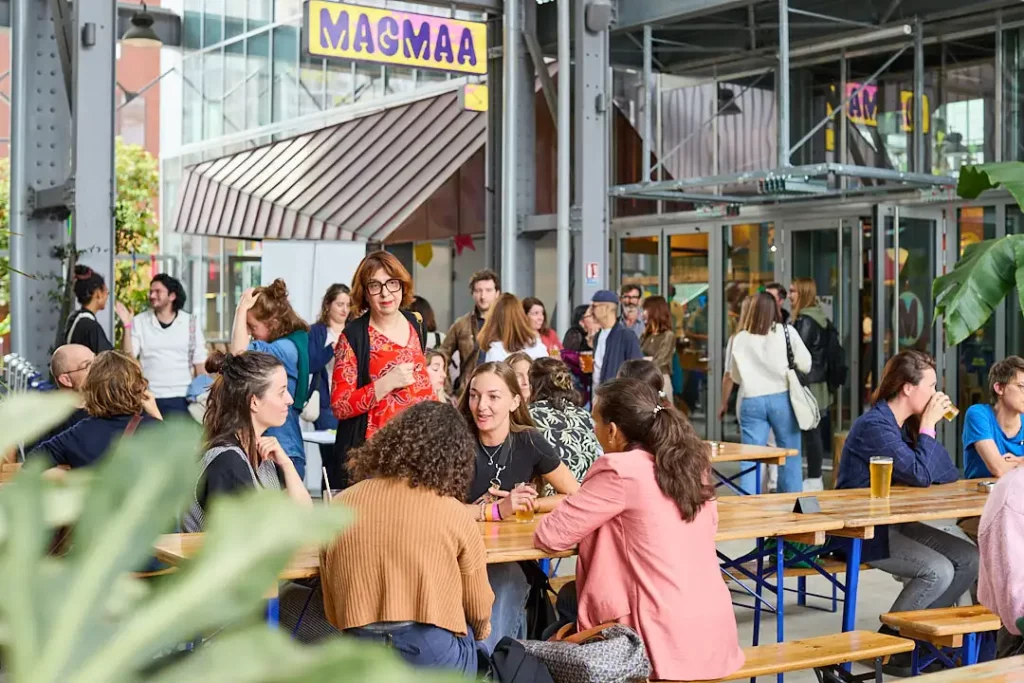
pixel 738 452
pixel 861 513
pixel 1009 670
pixel 513 541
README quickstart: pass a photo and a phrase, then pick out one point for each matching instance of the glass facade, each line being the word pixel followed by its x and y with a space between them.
pixel 242 75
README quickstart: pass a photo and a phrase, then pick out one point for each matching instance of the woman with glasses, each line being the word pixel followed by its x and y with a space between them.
pixel 379 366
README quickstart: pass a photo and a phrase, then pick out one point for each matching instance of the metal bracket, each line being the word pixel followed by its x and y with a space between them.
pixel 53 202
pixel 495 52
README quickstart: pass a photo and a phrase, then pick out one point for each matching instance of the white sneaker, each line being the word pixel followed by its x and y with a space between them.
pixel 815 484
pixel 773 478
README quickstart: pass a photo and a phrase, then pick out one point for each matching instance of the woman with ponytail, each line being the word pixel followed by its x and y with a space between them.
pixel 645 520
pixel 92 294
pixel 555 410
pixel 266 322
pixel 249 398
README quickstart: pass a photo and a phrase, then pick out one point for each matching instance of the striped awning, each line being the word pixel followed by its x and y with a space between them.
pixel 356 180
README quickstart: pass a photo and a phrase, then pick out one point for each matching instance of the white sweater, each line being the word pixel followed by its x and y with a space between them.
pixel 759 362
pixel 497 353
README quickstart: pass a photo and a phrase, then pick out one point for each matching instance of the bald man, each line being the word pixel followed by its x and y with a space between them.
pixel 69 367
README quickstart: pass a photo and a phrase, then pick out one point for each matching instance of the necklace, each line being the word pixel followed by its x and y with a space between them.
pixel 501 465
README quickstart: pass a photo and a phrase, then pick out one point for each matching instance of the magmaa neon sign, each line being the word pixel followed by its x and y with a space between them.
pixel 863 109
pixel 370 34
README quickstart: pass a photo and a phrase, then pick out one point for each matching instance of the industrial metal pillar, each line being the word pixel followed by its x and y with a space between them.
pixel 782 91
pixel 563 302
pixel 40 165
pixel 492 163
pixel 94 37
pixel 591 150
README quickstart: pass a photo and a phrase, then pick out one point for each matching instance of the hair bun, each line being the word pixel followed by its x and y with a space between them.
pixel 83 272
pixel 278 289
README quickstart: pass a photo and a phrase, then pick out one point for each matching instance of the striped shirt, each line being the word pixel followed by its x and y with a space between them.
pixel 411 555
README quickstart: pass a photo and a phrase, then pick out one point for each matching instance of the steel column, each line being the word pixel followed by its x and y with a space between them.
pixel 648 57
pixel 919 156
pixel 999 89
pixel 563 304
pixel 509 145
pixel 782 85
pixel 92 158
pixel 40 134
pixel 492 151
pixel 591 153
pixel 843 119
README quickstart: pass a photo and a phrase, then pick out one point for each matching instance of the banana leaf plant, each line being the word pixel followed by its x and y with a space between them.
pixel 82 617
pixel 987 271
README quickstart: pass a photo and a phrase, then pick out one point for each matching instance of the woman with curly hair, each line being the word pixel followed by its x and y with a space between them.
pixel 412 571
pixel 645 520
pixel 510 456
pixel 507 330
pixel 249 398
pixel 555 409
pixel 117 399
pixel 266 322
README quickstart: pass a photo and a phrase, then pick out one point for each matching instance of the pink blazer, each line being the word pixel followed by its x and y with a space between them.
pixel 640 564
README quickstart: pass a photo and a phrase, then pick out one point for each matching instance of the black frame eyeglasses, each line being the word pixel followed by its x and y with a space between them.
pixel 374 287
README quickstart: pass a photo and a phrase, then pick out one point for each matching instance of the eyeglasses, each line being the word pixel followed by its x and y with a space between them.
pixel 84 368
pixel 630 297
pixel 374 287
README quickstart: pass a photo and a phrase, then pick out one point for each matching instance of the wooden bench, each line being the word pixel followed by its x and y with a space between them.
pixel 822 652
pixel 952 628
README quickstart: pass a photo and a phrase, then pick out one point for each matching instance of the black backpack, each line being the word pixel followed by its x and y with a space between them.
pixel 511 663
pixel 837 368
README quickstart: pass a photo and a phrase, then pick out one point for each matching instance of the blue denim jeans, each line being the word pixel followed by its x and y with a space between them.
pixel 772 412
pixel 427 646
pixel 508 614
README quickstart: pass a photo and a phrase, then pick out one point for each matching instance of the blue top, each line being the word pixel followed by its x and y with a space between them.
pixel 289 435
pixel 980 424
pixel 320 354
pixel 86 441
pixel 197 386
pixel 621 345
pixel 876 433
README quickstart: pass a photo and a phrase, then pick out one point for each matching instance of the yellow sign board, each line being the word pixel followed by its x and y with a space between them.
pixel 474 97
pixel 387 36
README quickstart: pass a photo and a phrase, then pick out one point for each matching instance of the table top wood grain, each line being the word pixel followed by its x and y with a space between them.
pixel 736 452
pixel 1009 670
pixel 859 510
pixel 513 541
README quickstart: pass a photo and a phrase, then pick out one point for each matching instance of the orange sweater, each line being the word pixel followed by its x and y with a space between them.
pixel 411 555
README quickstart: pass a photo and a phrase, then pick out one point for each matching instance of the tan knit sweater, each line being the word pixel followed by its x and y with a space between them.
pixel 410 555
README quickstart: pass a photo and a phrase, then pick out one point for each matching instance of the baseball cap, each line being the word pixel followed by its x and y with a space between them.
pixel 604 296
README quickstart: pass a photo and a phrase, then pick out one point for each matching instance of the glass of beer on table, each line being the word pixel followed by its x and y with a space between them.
pixel 881 476
pixel 523 514
pixel 587 361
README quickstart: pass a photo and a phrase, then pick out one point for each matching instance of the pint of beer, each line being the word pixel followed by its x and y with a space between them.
pixel 587 361
pixel 951 413
pixel 881 476
pixel 523 514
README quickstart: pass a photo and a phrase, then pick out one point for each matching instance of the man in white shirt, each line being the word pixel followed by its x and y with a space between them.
pixel 168 343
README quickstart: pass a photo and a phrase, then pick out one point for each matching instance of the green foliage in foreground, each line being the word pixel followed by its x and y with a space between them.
pixel 83 617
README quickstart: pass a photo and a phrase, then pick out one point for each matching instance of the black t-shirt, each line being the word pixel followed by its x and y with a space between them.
pixel 524 456
pixel 87 332
pixel 229 473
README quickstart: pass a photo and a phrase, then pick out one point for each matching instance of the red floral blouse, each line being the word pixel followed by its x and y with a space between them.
pixel 348 401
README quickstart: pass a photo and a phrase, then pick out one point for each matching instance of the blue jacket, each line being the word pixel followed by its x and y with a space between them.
pixel 319 356
pixel 622 345
pixel 876 433
pixel 289 435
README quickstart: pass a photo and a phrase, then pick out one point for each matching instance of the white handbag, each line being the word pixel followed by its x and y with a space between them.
pixel 805 406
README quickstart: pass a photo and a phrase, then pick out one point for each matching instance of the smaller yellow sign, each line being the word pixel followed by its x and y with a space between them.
pixel 473 97
pixel 390 36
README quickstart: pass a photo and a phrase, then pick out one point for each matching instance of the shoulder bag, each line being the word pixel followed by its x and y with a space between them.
pixel 805 406
pixel 609 653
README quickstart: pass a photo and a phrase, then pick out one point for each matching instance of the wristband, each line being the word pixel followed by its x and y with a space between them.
pixel 127 326
pixel 496 513
pixel 927 432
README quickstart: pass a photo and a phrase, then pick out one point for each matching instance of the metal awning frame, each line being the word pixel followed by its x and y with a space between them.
pixel 682 190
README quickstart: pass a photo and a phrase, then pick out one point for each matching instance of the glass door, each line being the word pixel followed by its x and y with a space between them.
pixel 693 289
pixel 911 245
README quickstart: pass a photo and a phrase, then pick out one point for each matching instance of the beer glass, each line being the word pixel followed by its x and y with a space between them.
pixel 587 361
pixel 951 413
pixel 881 476
pixel 523 514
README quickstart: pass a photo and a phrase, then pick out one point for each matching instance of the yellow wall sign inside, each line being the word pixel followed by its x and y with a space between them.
pixel 473 97
pixel 369 34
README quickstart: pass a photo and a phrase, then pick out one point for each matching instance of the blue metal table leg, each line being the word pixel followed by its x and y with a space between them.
pixel 758 584
pixel 757 478
pixel 969 651
pixel 852 580
pixel 545 566
pixel 273 612
pixel 915 661
pixel 801 590
pixel 780 592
